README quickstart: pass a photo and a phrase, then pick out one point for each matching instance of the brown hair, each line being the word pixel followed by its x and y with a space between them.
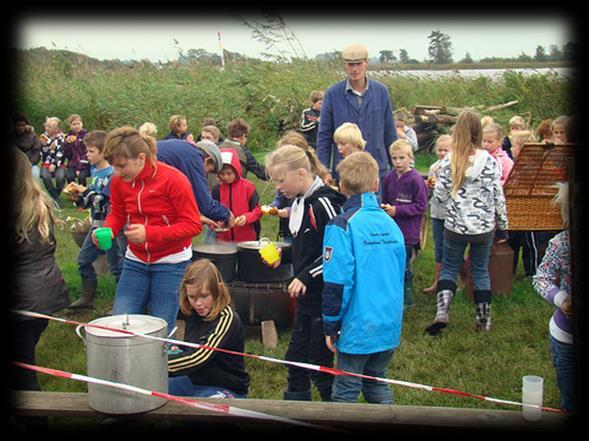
pixel 204 274
pixel 237 128
pixel 174 122
pixel 96 138
pixel 128 143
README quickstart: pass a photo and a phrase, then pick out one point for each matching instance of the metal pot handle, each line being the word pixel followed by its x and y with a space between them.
pixel 80 334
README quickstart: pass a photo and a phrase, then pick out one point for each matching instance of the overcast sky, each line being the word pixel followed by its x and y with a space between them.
pixel 109 37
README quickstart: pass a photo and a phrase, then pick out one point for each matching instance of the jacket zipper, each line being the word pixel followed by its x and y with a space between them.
pixel 141 213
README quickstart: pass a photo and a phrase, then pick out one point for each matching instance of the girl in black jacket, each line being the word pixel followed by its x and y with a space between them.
pixel 314 205
pixel 206 372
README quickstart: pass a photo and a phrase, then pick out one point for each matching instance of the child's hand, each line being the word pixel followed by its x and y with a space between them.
pixel 71 138
pixel 284 213
pixel 240 221
pixel 567 307
pixel 329 342
pixel 391 210
pixel 297 288
pixel 135 233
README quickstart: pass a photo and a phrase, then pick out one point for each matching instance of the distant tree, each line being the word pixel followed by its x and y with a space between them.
pixel 570 51
pixel 555 53
pixel 524 57
pixel 387 56
pixel 403 56
pixel 467 59
pixel 439 48
pixel 540 54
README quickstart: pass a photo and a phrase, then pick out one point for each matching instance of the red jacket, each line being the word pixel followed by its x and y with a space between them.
pixel 241 198
pixel 160 198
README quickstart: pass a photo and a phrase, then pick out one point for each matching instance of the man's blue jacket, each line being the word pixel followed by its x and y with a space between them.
pixel 374 117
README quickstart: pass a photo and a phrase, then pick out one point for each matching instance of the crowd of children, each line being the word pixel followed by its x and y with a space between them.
pixel 157 195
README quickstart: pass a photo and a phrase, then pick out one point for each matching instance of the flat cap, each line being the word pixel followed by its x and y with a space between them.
pixel 355 53
pixel 213 151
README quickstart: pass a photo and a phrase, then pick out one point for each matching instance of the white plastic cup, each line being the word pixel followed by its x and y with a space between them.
pixel 532 392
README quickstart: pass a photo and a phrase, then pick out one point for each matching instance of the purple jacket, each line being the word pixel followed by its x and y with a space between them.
pixel 409 194
pixel 76 152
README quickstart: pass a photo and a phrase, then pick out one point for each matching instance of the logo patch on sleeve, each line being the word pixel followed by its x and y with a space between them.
pixel 327 253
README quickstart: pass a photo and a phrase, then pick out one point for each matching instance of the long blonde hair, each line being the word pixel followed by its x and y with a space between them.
pixel 32 208
pixel 466 138
pixel 289 158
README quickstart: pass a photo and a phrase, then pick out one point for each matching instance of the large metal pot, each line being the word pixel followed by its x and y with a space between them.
pixel 251 268
pixel 126 359
pixel 223 255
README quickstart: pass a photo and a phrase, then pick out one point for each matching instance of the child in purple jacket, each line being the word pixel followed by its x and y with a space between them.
pixel 405 199
pixel 76 152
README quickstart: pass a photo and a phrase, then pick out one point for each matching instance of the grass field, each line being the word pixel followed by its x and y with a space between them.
pixel 490 364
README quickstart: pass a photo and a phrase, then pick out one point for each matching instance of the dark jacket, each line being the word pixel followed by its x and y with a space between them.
pixel 76 152
pixel 307 246
pixel 190 161
pixel 207 367
pixel 36 283
pixel 29 144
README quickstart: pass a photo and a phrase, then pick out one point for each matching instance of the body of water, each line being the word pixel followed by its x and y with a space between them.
pixel 565 72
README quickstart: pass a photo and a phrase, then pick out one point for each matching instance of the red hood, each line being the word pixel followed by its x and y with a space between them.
pixel 234 160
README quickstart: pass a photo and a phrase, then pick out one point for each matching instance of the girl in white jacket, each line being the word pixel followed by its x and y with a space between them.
pixel 469 183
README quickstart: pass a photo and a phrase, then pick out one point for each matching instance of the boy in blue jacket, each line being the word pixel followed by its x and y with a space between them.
pixel 362 299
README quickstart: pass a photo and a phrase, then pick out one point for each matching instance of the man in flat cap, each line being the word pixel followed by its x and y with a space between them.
pixel 362 101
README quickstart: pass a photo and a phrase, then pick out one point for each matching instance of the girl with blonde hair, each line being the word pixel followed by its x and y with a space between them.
pixel 314 205
pixel 469 183
pixel 206 372
pixel 36 283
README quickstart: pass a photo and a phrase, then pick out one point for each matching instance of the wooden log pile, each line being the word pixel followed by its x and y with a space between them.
pixel 429 122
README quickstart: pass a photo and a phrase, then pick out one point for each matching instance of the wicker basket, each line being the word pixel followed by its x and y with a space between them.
pixel 530 187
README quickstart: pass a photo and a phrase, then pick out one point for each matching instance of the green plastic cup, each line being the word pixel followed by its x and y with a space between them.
pixel 104 238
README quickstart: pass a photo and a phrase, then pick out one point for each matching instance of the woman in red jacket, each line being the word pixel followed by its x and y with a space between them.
pixel 240 196
pixel 155 204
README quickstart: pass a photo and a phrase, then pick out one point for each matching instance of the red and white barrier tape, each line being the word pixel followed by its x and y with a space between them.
pixel 214 407
pixel 308 366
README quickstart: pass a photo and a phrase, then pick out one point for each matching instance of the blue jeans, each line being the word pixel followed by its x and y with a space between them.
pixel 479 258
pixel 347 388
pixel 563 359
pixel 90 252
pixel 154 285
pixel 184 387
pixel 438 235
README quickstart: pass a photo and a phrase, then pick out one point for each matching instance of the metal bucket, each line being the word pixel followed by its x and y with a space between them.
pixel 126 359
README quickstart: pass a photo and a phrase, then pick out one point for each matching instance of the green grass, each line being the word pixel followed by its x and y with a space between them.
pixel 489 364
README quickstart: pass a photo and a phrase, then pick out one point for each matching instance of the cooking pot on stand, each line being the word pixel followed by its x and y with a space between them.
pixel 222 254
pixel 127 359
pixel 251 267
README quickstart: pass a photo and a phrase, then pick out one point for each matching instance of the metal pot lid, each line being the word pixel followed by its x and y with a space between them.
pixel 216 248
pixel 255 245
pixel 141 324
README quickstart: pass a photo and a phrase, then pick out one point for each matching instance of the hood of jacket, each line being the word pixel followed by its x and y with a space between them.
pixel 477 163
pixel 231 157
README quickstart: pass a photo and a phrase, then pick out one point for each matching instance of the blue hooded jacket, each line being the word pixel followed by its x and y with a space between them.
pixel 363 271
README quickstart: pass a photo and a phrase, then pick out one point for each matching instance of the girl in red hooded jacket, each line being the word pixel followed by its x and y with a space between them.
pixel 155 205
pixel 241 197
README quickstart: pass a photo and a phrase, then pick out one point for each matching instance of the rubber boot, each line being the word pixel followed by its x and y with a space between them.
pixel 86 300
pixel 482 300
pixel 433 289
pixel 444 300
pixel 304 395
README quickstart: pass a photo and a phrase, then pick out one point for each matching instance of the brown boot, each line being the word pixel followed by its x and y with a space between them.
pixel 434 288
pixel 86 300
